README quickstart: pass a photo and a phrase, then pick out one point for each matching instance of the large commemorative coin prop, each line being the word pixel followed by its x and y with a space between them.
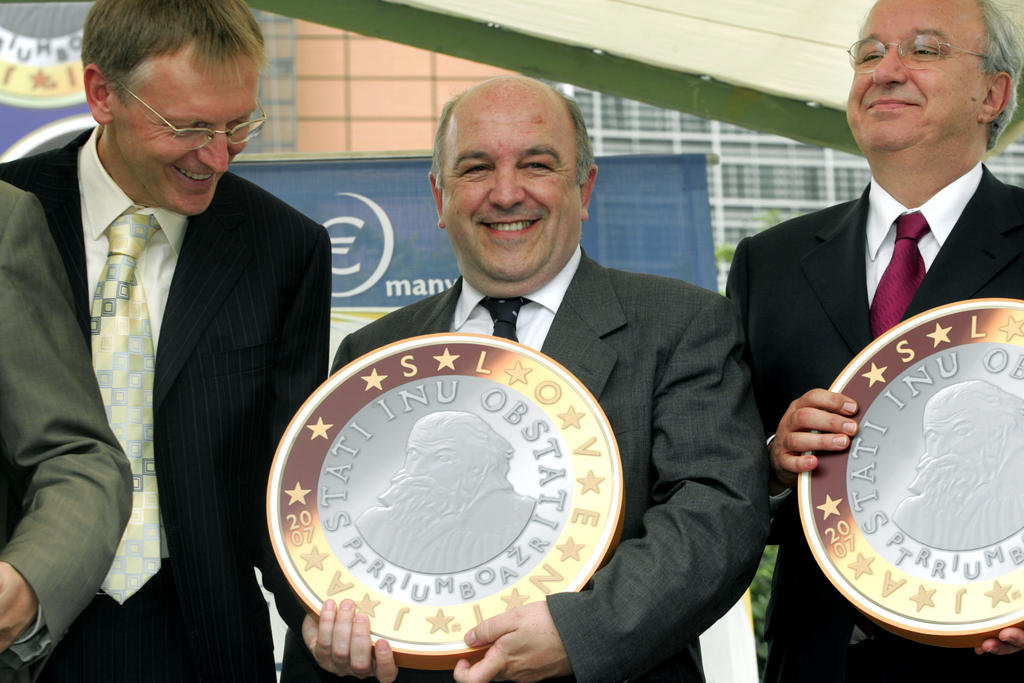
pixel 920 524
pixel 442 480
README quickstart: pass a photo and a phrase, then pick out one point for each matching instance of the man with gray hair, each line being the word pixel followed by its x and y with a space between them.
pixel 934 85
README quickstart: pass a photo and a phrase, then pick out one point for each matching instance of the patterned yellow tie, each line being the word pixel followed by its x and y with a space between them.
pixel 122 354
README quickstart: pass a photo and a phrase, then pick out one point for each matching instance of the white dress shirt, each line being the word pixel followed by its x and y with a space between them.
pixel 535 317
pixel 942 212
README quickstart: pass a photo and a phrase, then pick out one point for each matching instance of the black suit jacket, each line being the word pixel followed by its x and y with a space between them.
pixel 802 293
pixel 663 358
pixel 244 340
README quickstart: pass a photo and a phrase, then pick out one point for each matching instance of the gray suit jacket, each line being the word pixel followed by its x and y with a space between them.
pixel 65 484
pixel 802 296
pixel 664 359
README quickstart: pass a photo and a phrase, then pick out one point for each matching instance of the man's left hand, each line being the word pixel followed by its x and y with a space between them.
pixel 18 605
pixel 340 642
pixel 1010 640
pixel 525 646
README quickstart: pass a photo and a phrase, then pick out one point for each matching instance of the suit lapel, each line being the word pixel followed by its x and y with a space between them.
pixel 836 273
pixel 975 251
pixel 212 258
pixel 589 311
pixel 57 190
pixel 437 318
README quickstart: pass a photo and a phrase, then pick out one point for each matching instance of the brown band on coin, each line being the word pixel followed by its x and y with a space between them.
pixel 442 480
pixel 920 524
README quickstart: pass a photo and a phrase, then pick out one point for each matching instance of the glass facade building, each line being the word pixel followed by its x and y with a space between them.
pixel 331 91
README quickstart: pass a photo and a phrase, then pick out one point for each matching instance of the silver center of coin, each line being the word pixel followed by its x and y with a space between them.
pixel 936 475
pixel 451 506
pixel 445 490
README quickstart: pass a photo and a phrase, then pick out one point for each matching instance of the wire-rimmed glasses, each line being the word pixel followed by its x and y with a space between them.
pixel 915 52
pixel 196 138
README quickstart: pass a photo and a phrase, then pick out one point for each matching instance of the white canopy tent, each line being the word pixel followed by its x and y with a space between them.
pixel 778 66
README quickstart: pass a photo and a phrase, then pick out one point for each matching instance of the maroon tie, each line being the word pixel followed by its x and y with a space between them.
pixel 902 276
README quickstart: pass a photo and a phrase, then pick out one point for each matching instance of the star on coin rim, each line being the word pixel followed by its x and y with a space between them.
pixel 445 655
pixel 931 632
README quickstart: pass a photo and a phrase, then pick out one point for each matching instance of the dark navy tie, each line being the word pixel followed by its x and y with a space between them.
pixel 504 313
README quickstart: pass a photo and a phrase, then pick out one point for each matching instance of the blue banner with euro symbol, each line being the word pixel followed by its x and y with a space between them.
pixel 648 214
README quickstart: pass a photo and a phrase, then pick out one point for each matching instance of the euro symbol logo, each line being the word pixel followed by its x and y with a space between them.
pixel 344 242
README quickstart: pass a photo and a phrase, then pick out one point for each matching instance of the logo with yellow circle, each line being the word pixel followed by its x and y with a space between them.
pixel 40 54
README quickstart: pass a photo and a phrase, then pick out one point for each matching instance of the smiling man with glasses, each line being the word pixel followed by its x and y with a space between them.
pixel 934 84
pixel 228 293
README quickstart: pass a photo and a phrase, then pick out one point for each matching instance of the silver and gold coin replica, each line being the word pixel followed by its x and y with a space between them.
pixel 920 524
pixel 442 480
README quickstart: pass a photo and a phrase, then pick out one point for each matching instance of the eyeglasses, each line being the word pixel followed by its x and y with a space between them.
pixel 196 138
pixel 916 52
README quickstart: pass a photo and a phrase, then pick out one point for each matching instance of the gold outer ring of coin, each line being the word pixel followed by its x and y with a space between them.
pixel 919 604
pixel 577 483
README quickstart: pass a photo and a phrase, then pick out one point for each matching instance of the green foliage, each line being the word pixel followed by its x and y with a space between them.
pixel 768 218
pixel 724 253
pixel 760 590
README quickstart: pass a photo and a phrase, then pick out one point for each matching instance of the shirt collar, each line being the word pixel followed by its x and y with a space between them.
pixel 103 200
pixel 942 210
pixel 549 296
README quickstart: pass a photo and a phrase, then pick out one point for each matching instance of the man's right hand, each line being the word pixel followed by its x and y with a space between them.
pixel 18 605
pixel 820 420
pixel 340 642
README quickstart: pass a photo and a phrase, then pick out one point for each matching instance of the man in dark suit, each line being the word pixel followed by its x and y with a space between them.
pixel 934 84
pixel 512 179
pixel 65 487
pixel 236 290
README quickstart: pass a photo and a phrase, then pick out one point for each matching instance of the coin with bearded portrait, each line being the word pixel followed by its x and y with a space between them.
pixel 920 523
pixel 442 480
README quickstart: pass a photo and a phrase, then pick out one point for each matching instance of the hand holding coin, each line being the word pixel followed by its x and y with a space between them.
pixel 340 642
pixel 432 485
pixel 1009 641
pixel 919 522
pixel 817 421
pixel 524 646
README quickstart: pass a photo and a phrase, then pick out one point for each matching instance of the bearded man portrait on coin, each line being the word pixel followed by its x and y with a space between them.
pixel 451 506
pixel 967 491
pixel 512 178
pixel 934 83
